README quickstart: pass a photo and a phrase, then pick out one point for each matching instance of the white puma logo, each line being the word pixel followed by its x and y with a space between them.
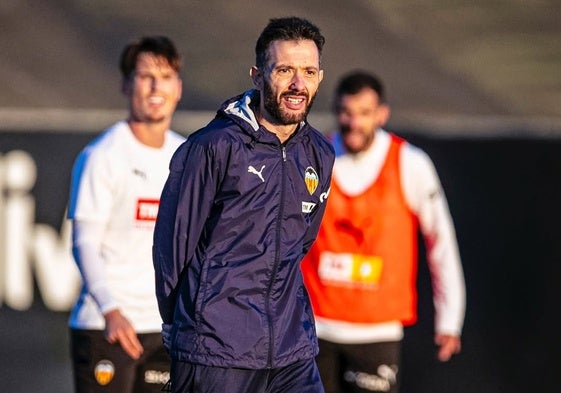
pixel 251 169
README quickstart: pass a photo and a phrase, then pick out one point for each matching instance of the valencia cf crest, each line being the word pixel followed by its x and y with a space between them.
pixel 104 372
pixel 312 179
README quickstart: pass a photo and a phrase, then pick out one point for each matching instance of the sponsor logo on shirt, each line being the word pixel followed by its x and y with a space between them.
pixel 307 207
pixel 348 269
pixel 147 209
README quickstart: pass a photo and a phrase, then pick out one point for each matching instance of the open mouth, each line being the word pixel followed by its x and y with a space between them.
pixel 155 100
pixel 295 102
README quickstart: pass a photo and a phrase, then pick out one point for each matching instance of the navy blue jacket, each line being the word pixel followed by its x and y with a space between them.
pixel 237 214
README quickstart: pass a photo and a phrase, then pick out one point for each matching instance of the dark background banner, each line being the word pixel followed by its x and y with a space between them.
pixel 504 195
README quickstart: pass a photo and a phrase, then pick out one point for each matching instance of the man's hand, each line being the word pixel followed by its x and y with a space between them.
pixel 448 345
pixel 119 329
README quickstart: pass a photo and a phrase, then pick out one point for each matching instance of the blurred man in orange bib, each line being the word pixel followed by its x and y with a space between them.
pixel 361 271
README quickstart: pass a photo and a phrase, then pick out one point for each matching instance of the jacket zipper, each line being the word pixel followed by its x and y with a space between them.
pixel 277 256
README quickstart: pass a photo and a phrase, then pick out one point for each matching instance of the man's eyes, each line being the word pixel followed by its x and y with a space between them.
pixel 150 76
pixel 286 71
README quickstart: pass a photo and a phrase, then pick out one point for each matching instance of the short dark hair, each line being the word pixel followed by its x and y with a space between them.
pixel 158 45
pixel 355 81
pixel 286 29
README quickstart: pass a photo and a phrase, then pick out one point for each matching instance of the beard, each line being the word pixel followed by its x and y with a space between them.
pixel 274 109
pixel 142 113
pixel 355 141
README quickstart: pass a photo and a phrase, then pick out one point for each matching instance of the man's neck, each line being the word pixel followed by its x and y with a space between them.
pixel 149 134
pixel 283 132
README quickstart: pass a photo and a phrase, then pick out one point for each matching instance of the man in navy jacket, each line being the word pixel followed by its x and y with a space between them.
pixel 242 205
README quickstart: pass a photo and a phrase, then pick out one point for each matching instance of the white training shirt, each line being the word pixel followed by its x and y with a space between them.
pixel 424 195
pixel 115 191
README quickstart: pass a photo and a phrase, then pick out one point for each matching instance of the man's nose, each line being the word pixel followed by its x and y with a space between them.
pixel 354 122
pixel 297 82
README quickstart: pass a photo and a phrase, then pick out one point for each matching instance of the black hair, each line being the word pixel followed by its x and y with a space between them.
pixel 286 29
pixel 355 81
pixel 158 45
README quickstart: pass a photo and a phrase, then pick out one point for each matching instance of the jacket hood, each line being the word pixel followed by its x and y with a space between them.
pixel 241 109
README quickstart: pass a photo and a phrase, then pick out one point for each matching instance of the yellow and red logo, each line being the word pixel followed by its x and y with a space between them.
pixel 104 372
pixel 348 269
pixel 312 179
pixel 147 209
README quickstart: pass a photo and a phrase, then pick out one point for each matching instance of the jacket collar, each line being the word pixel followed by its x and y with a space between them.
pixel 241 110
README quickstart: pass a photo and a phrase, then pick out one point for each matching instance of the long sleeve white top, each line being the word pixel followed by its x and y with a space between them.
pixel 114 199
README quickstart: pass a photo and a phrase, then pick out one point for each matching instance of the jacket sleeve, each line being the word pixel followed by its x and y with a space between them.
pixel 185 203
pixel 317 214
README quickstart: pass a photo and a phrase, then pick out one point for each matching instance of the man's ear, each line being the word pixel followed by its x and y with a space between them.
pixel 256 76
pixel 384 114
pixel 180 90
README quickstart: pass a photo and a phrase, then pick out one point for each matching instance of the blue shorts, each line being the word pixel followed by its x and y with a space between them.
pixel 299 377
